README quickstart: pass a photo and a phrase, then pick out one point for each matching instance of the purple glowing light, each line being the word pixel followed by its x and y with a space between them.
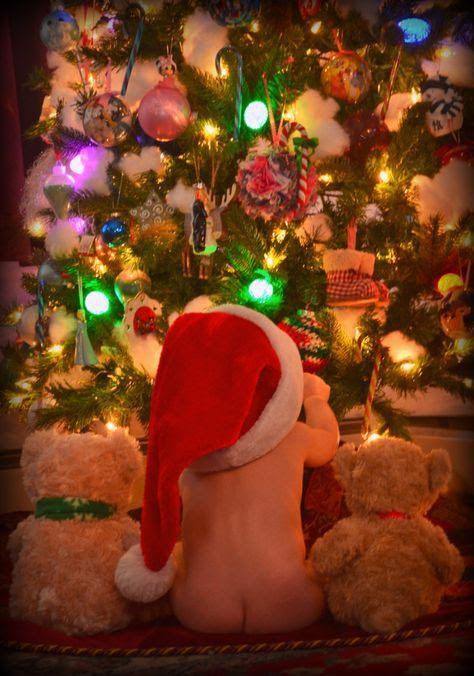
pixel 80 225
pixel 77 164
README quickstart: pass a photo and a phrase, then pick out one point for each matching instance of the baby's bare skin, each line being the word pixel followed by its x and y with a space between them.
pixel 241 563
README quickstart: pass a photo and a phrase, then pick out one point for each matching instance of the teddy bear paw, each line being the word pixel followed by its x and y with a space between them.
pixel 383 621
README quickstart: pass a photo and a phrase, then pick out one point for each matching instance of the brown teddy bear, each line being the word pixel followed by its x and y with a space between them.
pixel 64 555
pixel 387 564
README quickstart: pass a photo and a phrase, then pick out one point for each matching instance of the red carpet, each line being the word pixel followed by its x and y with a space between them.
pixel 453 619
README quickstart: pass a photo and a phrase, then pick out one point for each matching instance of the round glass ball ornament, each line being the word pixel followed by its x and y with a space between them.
pixel 367 132
pixel 129 283
pixel 164 112
pixel 114 232
pixel 107 120
pixel 346 76
pixel 233 12
pixel 59 31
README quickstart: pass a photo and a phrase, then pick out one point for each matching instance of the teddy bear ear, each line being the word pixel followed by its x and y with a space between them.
pixel 127 452
pixel 439 469
pixel 344 462
pixel 35 444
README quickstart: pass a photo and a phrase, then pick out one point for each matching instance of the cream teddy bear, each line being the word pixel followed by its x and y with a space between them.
pixel 386 564
pixel 226 443
pixel 64 555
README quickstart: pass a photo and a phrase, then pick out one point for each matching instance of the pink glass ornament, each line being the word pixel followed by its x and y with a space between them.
pixel 164 112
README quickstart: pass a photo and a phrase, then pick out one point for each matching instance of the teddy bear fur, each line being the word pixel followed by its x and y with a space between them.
pixel 386 564
pixel 63 571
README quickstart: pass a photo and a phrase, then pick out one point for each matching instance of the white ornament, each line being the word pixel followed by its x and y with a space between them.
pixel 445 114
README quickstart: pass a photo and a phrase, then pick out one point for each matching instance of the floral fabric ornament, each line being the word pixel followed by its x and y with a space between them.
pixel 273 183
pixel 445 114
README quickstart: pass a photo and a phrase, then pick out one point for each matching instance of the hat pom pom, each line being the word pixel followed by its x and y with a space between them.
pixel 137 582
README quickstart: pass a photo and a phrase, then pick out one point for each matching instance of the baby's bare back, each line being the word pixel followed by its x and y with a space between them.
pixel 242 565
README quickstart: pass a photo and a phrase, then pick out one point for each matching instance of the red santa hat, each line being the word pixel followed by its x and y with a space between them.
pixel 229 388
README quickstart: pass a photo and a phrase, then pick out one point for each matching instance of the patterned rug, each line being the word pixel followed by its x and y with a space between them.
pixel 443 640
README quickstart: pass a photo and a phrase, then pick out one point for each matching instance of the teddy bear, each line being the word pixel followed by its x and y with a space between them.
pixel 387 564
pixel 64 555
pixel 221 520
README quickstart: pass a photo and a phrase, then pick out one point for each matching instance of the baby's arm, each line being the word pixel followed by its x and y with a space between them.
pixel 321 431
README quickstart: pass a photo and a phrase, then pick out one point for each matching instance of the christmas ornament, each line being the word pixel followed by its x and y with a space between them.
pixel 233 12
pixel 367 133
pixel 84 354
pixel 238 92
pixel 349 279
pixel 58 189
pixel 275 184
pixel 459 151
pixel 456 314
pixel 415 30
pixel 49 274
pixel 203 227
pixel 152 212
pixel 374 377
pixel 312 336
pixel 59 31
pixel 139 332
pixel 129 283
pixel 107 120
pixel 114 232
pixel 309 8
pixel 144 320
pixel 164 112
pixel 346 76
pixel 445 114
pixel 97 303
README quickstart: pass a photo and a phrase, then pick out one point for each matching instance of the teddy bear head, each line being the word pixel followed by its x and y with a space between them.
pixel 87 465
pixel 391 475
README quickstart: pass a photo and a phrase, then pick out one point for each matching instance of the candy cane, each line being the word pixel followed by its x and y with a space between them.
pixel 371 393
pixel 391 82
pixel 287 130
pixel 39 325
pixel 238 91
pixel 135 48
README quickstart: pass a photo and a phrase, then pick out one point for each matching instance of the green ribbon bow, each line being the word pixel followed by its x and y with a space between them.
pixel 299 143
pixel 61 509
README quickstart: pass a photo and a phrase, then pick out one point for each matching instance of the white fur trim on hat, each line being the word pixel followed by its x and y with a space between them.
pixel 137 582
pixel 341 259
pixel 280 413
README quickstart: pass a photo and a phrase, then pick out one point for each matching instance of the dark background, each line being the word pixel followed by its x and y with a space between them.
pixel 21 50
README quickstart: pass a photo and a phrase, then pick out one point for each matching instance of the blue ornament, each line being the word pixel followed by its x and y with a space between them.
pixel 114 232
pixel 59 31
pixel 415 30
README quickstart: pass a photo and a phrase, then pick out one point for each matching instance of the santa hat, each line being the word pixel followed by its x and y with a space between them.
pixel 229 388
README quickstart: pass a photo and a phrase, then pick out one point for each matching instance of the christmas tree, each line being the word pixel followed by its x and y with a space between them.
pixel 311 160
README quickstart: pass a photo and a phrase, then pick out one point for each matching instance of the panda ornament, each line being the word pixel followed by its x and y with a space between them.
pixel 445 113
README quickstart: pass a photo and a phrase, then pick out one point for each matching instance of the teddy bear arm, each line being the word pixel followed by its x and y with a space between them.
pixel 321 432
pixel 15 540
pixel 336 549
pixel 446 559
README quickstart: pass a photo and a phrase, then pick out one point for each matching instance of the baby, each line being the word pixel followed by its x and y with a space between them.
pixel 240 564
pixel 244 525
